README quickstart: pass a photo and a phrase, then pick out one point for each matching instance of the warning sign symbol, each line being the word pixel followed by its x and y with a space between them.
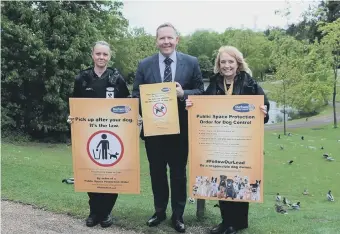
pixel 159 109
pixel 105 148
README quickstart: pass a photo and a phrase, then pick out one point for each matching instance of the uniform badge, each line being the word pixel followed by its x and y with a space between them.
pixel 110 92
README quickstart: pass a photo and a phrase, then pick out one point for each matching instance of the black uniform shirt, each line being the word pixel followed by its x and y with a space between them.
pixel 88 85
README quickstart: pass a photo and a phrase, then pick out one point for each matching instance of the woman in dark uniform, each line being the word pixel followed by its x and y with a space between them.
pixel 233 77
pixel 100 81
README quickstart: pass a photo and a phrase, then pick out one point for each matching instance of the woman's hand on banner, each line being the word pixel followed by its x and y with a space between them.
pixel 139 121
pixel 188 103
pixel 70 119
pixel 264 110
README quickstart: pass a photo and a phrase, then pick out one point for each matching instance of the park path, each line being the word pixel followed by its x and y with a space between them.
pixel 17 218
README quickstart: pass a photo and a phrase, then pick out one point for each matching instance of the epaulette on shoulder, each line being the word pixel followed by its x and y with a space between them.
pixel 86 71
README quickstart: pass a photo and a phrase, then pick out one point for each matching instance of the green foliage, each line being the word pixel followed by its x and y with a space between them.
pixel 131 49
pixel 303 73
pixel 44 45
pixel 331 39
pixel 206 66
pixel 203 43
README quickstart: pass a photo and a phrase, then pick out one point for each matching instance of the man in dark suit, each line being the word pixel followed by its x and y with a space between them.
pixel 169 66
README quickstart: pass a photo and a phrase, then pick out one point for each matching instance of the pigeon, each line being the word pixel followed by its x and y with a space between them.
pixel 322 147
pixel 279 137
pixel 278 197
pixel 325 155
pixel 216 205
pixel 330 196
pixel 305 192
pixel 68 181
pixel 289 134
pixel 191 200
pixel 285 201
pixel 296 206
pixel 329 158
pixel 279 209
pixel 281 147
pixel 290 162
pixel 302 138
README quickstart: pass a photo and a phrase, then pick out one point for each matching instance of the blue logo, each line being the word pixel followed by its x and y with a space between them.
pixel 120 109
pixel 244 107
pixel 166 89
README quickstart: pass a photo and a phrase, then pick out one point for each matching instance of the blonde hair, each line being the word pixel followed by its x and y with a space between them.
pixel 103 43
pixel 235 53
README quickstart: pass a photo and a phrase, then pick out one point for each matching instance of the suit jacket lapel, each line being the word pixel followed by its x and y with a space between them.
pixel 155 70
pixel 179 67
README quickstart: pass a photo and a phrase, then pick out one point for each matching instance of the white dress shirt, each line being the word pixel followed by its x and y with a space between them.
pixel 162 64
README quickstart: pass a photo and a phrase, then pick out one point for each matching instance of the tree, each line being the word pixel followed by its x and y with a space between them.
pixel 44 45
pixel 302 75
pixel 131 49
pixel 205 65
pixel 331 38
pixel 203 43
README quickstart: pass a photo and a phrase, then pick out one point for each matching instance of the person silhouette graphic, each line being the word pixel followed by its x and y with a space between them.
pixel 105 146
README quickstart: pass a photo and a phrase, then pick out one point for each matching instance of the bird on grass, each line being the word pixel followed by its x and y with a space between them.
pixel 289 134
pixel 279 209
pixel 285 202
pixel 305 192
pixel 330 196
pixel 279 137
pixel 278 197
pixel 302 138
pixel 296 206
pixel 322 147
pixel 329 158
pixel 290 162
pixel 191 200
pixel 68 181
pixel 281 147
pixel 216 205
pixel 325 155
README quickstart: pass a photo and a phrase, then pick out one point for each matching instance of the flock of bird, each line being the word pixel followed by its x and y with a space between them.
pixel 280 208
pixel 325 155
pixel 282 203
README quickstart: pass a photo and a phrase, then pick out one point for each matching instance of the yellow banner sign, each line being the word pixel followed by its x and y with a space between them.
pixel 105 145
pixel 226 135
pixel 159 109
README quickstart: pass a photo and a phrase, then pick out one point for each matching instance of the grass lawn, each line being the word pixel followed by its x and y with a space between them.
pixel 32 173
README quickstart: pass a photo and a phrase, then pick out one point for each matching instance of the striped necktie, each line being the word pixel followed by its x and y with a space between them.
pixel 167 71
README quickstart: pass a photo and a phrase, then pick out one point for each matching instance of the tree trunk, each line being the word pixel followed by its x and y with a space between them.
pixel 284 110
pixel 334 95
pixel 284 119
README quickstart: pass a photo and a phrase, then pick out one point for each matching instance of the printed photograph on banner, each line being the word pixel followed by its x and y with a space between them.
pixel 226 135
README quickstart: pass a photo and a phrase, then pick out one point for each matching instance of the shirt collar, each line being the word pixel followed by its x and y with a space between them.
pixel 173 56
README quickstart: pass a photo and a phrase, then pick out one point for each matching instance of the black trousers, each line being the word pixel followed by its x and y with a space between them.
pixel 101 204
pixel 171 150
pixel 235 214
